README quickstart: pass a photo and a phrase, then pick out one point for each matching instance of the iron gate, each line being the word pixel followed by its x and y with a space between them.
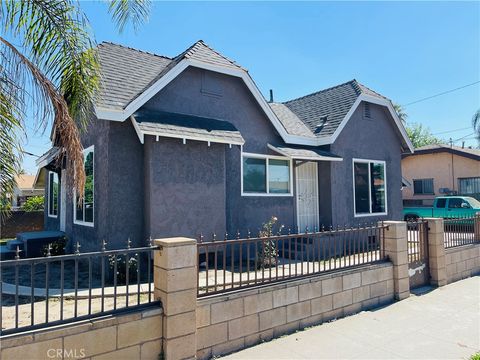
pixel 417 243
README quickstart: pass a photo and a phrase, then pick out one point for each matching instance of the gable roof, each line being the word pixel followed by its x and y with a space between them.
pixel 120 85
pixel 331 104
pixel 440 148
pixel 131 77
pixel 25 181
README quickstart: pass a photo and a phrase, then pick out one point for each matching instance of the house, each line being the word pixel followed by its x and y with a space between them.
pixel 436 170
pixel 25 188
pixel 188 145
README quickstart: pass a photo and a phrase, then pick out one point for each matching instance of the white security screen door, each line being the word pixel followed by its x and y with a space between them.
pixel 307 195
pixel 63 200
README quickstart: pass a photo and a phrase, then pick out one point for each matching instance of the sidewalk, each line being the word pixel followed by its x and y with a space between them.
pixel 441 324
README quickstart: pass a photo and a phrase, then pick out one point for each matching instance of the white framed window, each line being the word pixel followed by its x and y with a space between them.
pixel 266 175
pixel 83 212
pixel 369 187
pixel 53 189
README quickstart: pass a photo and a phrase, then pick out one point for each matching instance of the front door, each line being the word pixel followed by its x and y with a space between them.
pixel 307 195
pixel 63 199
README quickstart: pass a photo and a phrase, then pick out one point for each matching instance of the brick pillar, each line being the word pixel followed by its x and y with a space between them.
pixel 176 286
pixel 436 252
pixel 396 250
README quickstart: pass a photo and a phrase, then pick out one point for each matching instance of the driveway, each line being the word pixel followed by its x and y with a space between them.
pixel 441 324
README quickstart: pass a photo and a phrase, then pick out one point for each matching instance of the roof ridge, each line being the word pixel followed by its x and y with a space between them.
pixel 134 49
pixel 201 42
pixel 323 90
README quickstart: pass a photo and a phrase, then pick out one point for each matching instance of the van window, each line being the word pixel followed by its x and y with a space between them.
pixel 441 203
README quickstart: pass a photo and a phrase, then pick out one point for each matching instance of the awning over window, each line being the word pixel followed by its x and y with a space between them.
pixel 305 154
pixel 186 127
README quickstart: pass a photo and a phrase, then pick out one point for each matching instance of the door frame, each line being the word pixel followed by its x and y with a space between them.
pixel 317 210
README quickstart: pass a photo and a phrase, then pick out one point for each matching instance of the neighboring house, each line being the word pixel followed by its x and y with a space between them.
pixel 436 170
pixel 188 145
pixel 25 188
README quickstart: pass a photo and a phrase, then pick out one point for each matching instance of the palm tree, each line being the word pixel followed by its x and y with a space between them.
pixel 401 113
pixel 476 124
pixel 54 71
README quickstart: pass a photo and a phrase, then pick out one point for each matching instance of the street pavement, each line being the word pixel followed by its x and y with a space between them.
pixel 443 323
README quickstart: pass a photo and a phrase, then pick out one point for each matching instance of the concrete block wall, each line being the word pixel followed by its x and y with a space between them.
pixel 462 262
pixel 231 322
pixel 136 335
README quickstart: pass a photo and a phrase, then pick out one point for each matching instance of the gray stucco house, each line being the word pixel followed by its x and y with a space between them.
pixel 188 145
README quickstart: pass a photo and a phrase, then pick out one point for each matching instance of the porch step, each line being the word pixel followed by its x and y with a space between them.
pixel 6 254
pixel 12 244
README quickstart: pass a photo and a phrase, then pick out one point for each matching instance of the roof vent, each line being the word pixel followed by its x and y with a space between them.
pixel 321 125
pixel 366 111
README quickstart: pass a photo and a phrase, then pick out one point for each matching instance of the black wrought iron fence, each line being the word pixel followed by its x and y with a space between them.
pixel 461 231
pixel 230 264
pixel 39 292
pixel 417 240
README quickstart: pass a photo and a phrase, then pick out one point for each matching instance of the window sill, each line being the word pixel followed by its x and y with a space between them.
pixel 370 214
pixel 265 194
pixel 52 216
pixel 83 223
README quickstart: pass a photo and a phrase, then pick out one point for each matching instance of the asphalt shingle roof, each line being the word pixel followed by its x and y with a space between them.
pixel 437 148
pixel 182 125
pixel 324 110
pixel 127 72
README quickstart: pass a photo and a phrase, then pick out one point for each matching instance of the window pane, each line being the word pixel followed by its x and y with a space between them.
pixel 428 186
pixel 254 175
pixel 417 187
pixel 361 188
pixel 454 203
pixel 377 176
pixel 52 193
pixel 89 187
pixel 278 176
pixel 79 211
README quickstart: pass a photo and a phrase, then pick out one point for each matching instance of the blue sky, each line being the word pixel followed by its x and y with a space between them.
pixel 404 50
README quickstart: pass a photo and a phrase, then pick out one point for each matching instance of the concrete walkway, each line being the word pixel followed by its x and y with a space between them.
pixel 441 324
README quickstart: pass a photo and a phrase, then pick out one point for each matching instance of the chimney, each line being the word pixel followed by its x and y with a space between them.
pixel 271 96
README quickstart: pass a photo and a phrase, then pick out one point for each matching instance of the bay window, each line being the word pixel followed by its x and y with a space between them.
pixel 369 185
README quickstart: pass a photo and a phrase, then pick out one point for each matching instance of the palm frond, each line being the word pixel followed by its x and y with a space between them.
pixel 129 11
pixel 476 123
pixel 25 75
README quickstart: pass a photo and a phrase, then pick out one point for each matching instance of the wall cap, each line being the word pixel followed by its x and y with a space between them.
pixel 175 241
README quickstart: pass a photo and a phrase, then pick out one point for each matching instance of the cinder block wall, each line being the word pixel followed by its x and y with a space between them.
pixel 462 262
pixel 136 335
pixel 245 318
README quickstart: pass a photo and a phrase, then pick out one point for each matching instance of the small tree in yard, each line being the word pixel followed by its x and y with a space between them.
pixel 35 203
pixel 268 250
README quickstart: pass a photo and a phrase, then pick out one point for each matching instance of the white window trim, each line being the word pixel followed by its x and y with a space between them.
pixel 266 157
pixel 48 198
pixel 80 222
pixel 368 161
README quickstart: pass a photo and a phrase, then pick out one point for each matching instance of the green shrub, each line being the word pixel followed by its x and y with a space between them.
pixel 35 203
pixel 475 356
pixel 268 250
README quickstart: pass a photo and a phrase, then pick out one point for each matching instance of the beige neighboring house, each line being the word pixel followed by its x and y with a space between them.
pixel 436 170
pixel 25 189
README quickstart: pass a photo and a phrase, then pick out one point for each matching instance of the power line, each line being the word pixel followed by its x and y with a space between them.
pixel 449 131
pixel 442 93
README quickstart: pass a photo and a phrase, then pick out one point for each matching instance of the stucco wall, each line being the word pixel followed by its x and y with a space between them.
pixel 444 168
pixel 462 262
pixel 371 139
pixel 231 322
pixel 236 105
pixel 184 188
pixel 133 336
